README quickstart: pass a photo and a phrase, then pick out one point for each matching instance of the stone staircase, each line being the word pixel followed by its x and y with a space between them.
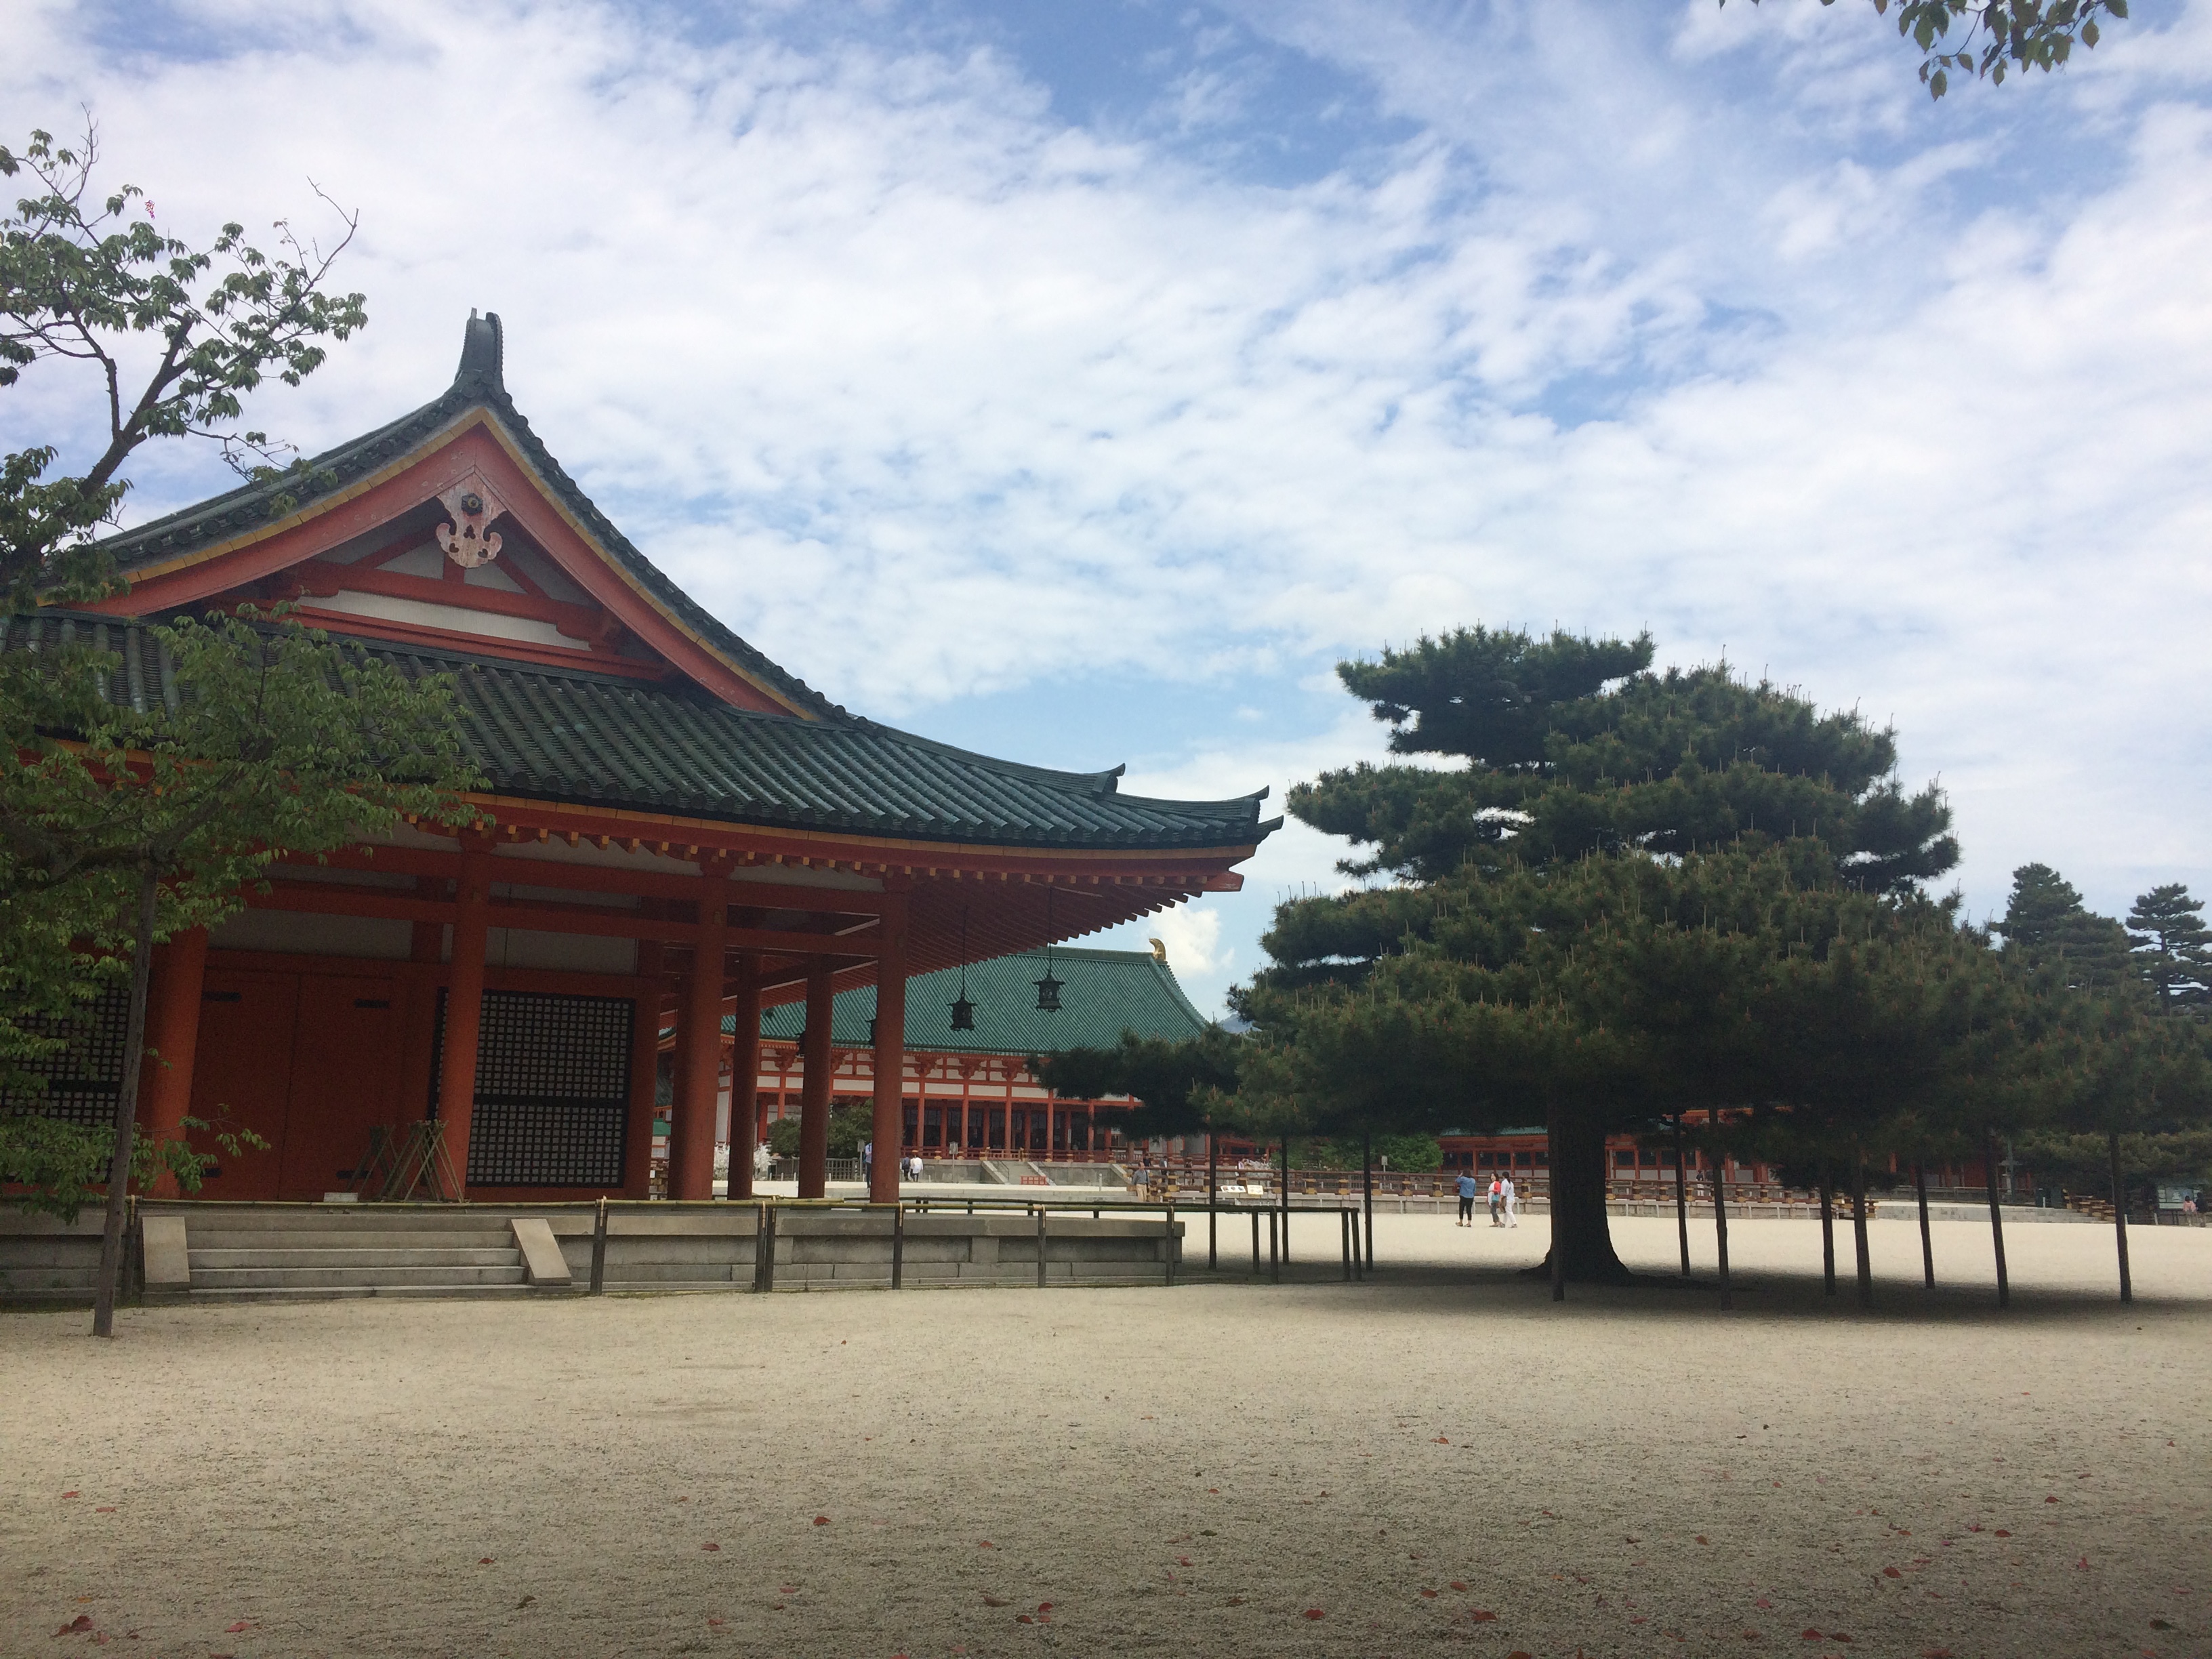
pixel 321 1252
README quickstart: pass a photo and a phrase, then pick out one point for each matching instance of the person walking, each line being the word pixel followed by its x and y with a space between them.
pixel 1506 1192
pixel 1496 1202
pixel 1465 1199
pixel 868 1159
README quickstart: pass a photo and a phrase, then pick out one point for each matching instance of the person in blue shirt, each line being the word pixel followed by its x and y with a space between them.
pixel 1466 1198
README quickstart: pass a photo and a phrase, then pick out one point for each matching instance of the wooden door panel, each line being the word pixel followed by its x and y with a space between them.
pixel 241 1075
pixel 345 1078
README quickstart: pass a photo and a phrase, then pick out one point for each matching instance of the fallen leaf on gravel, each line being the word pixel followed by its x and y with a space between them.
pixel 233 1630
pixel 1432 1594
pixel 2083 1563
pixel 82 1622
pixel 714 1623
pixel 1482 1615
pixel 821 1520
pixel 527 1600
pixel 1809 1635
pixel 1236 1601
pixel 2050 1500
pixel 1023 1619
pixel 1934 1653
pixel 1183 1560
pixel 2160 1624
pixel 1751 1636
pixel 105 1509
pixel 984 1544
pixel 1838 1636
pixel 1762 1602
pixel 69 1494
pixel 1315 1612
pixel 710 1547
pixel 1891 1572
pixel 1519 1653
pixel 1457 1585
pixel 1044 1606
pixel 1442 1441
pixel 1702 1539
pixel 996 1601
pixel 483 1560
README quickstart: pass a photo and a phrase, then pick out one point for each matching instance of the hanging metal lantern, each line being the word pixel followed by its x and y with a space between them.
pixel 1048 991
pixel 1047 987
pixel 963 1011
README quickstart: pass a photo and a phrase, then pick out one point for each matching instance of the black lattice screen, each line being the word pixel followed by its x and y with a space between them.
pixel 552 1090
pixel 83 1078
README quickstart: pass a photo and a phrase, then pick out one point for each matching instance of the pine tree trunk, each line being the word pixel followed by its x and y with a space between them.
pixel 1580 1235
pixel 126 1107
pixel 2120 1219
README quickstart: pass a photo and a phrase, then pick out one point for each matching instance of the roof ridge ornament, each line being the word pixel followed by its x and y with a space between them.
pixel 468 540
pixel 484 355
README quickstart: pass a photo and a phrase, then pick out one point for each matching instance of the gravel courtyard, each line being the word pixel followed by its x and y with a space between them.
pixel 1438 1461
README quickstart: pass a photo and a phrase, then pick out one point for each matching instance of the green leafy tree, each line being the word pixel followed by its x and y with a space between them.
pixel 1580 905
pixel 137 800
pixel 1995 36
pixel 1178 1083
pixel 178 336
pixel 2172 948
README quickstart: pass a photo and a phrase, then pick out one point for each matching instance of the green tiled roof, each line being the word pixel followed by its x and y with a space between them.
pixel 480 382
pixel 1105 993
pixel 570 735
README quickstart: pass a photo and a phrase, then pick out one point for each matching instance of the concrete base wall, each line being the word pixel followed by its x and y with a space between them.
pixel 267 1251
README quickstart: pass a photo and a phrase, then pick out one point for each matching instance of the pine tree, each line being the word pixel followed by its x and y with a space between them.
pixel 2173 947
pixel 2047 927
pixel 1444 998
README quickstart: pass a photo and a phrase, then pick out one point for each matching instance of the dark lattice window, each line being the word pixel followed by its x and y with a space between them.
pixel 552 1090
pixel 83 1078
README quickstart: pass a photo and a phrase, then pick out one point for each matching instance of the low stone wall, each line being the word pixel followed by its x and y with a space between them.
pixel 707 1247
pixel 45 1260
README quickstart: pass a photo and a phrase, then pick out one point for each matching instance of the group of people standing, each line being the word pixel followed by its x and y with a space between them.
pixel 1501 1200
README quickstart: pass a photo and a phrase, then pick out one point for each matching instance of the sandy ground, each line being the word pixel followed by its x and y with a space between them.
pixel 1440 1459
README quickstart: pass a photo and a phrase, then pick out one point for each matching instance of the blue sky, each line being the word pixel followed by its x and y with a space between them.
pixel 1079 382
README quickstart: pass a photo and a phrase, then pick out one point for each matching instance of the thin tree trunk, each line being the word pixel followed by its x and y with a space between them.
pixel 1927 1243
pixel 1555 1255
pixel 1720 1227
pixel 1681 1197
pixel 1367 1188
pixel 126 1106
pixel 1828 1231
pixel 1286 1200
pixel 1212 1195
pixel 1997 1219
pixel 2120 1217
pixel 1859 1226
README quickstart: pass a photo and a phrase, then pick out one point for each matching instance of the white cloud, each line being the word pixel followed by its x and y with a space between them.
pixel 1705 323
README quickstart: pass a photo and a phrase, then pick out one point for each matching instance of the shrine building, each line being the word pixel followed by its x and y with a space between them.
pixel 968 1089
pixel 675 832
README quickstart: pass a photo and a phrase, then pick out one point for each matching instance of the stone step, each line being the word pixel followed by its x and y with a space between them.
pixel 446 1238
pixel 362 1277
pixel 350 1292
pixel 267 1255
pixel 317 1217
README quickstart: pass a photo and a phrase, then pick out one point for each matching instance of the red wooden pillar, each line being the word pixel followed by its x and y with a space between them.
pixel 644 1061
pixel 814 1081
pixel 744 1078
pixel 699 1038
pixel 891 1062
pixel 173 1031
pixel 464 985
